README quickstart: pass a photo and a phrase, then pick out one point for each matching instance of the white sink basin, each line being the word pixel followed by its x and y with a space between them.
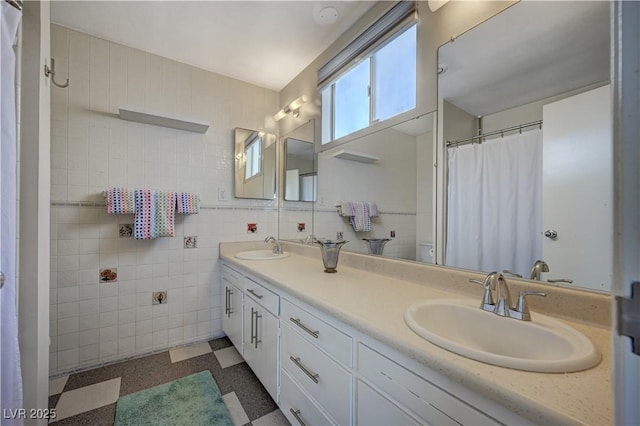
pixel 542 344
pixel 260 255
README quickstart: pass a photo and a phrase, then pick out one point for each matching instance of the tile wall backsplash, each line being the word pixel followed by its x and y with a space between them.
pixel 95 321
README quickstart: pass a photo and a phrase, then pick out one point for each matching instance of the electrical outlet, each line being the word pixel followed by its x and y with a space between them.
pixel 222 195
pixel 159 297
pixel 339 236
pixel 392 234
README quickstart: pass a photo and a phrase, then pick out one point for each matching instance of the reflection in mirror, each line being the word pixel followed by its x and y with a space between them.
pixel 255 164
pixel 300 178
pixel 537 183
pixel 298 157
pixel 392 170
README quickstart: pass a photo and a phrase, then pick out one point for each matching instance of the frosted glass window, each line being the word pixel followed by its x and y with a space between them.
pixel 351 102
pixel 395 76
pixel 253 155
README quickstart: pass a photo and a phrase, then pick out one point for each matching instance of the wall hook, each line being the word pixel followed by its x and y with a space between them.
pixel 52 72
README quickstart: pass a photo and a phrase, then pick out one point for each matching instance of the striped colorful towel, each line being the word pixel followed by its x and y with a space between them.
pixel 187 203
pixel 120 201
pixel 155 214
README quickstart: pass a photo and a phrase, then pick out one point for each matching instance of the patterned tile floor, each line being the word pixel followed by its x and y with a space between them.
pixel 89 397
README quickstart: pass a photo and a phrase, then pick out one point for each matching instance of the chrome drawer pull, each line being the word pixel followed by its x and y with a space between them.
pixel 296 414
pixel 297 322
pixel 254 293
pixel 312 376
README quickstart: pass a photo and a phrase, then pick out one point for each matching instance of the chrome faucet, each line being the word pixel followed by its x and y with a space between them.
pixel 277 248
pixel 538 267
pixel 496 283
pixel 309 239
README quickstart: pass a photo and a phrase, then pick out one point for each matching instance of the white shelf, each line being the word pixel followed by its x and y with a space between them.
pixel 164 120
pixel 346 154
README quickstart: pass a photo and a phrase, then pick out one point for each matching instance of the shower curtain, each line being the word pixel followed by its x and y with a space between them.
pixel 10 371
pixel 495 204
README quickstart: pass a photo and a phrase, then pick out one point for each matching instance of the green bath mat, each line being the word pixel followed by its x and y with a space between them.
pixel 192 400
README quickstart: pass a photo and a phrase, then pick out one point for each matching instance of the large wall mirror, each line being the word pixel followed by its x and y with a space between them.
pixel 538 185
pixel 299 183
pixel 393 169
pixel 300 171
pixel 255 164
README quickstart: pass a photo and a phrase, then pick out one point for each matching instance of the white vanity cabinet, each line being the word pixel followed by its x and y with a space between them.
pixel 322 371
pixel 413 393
pixel 261 325
pixel 233 300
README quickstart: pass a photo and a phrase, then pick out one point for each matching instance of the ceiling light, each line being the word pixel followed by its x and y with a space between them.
pixel 327 16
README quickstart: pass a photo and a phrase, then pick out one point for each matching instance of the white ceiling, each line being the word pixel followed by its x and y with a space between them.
pixel 531 51
pixel 266 43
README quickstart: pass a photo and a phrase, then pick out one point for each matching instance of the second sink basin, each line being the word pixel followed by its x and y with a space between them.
pixel 542 345
pixel 260 255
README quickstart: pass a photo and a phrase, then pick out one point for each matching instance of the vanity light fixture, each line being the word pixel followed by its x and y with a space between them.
pixel 293 108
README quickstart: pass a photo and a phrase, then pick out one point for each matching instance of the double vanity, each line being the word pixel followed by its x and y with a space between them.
pixel 386 342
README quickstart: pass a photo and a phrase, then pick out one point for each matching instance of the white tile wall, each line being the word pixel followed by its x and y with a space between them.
pixel 94 322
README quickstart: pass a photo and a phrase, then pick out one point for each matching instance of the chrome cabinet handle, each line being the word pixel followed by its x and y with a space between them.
pixel 259 296
pixel 313 376
pixel 561 280
pixel 252 326
pixel 257 340
pixel 296 414
pixel 1 279
pixel 297 322
pixel 230 310
pixel 551 233
pixel 226 301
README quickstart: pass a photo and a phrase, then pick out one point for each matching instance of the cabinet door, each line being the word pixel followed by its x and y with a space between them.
pixel 261 344
pixel 232 315
pixel 374 409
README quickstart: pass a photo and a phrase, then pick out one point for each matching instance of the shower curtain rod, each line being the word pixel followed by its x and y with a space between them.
pixel 478 138
pixel 15 3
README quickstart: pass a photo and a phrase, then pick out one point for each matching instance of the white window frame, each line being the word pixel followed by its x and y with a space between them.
pixel 394 22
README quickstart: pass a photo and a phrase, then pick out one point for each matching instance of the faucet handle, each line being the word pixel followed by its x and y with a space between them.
pixel 561 280
pixel 522 307
pixel 487 298
pixel 513 274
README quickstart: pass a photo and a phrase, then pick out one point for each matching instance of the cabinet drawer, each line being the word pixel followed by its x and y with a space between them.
pixel 232 276
pixel 294 400
pixel 318 332
pixel 262 295
pixel 422 397
pixel 323 378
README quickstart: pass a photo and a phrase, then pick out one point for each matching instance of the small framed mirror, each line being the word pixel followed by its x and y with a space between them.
pixel 255 164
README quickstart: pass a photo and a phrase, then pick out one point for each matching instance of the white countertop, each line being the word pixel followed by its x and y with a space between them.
pixel 375 304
